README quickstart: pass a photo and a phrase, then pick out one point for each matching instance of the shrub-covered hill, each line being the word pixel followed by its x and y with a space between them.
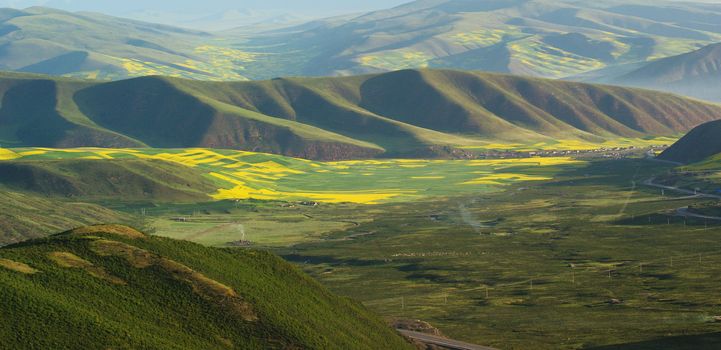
pixel 110 286
pixel 410 113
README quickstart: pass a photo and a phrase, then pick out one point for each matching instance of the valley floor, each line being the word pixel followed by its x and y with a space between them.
pixel 589 259
pixel 586 257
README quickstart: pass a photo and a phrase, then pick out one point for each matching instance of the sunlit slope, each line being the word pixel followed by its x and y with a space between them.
pixel 246 175
pixel 31 215
pixel 96 46
pixel 549 38
pixel 123 179
pixel 113 287
pixel 403 114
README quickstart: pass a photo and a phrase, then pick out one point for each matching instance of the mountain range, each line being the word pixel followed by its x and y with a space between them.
pixel 695 74
pixel 542 38
pixel 531 37
pixel 409 113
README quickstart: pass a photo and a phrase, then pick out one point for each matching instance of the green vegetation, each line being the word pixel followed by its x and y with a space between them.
pixel 111 286
pixel 446 114
pixel 547 38
pixel 129 179
pixel 529 267
pixel 25 215
pixel 106 48
pixel 541 38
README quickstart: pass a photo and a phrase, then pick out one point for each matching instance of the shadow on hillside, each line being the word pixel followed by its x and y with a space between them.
pixel 709 341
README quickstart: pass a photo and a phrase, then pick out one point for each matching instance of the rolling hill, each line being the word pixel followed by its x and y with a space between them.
pixel 700 143
pixel 547 38
pixel 25 215
pixel 96 46
pixel 89 179
pixel 695 74
pixel 410 113
pixel 110 286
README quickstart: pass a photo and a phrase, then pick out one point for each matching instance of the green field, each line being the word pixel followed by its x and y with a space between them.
pixel 525 267
pixel 246 175
pixel 543 253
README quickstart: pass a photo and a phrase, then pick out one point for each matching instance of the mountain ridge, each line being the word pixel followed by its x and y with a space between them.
pixel 408 113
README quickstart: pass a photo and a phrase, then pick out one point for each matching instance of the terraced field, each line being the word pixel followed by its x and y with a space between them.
pixel 247 175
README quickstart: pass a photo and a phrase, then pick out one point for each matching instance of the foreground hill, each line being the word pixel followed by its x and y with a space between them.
pixel 548 38
pixel 696 74
pixel 410 113
pixel 700 143
pixel 113 287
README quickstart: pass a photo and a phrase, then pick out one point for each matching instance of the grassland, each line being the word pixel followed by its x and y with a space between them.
pixel 247 175
pixel 588 260
pixel 582 256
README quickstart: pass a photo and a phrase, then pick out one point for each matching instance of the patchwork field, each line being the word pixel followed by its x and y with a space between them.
pixel 246 175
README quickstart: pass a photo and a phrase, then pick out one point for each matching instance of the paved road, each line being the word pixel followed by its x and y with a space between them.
pixel 694 194
pixel 650 182
pixel 446 343
pixel 684 212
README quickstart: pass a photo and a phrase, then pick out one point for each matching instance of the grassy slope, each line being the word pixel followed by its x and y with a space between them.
pixel 104 47
pixel 520 37
pixel 130 290
pixel 128 179
pixel 700 143
pixel 24 216
pixel 337 118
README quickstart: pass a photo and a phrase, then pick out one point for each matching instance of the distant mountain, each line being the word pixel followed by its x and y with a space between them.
pixel 700 143
pixel 547 38
pixel 696 74
pixel 111 286
pixel 409 113
pixel 95 46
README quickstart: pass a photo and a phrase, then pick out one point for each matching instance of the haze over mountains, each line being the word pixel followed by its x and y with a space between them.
pixel 696 74
pixel 530 37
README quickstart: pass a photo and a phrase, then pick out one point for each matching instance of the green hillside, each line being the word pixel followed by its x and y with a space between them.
pixel 26 215
pixel 36 40
pixel 548 38
pixel 693 74
pixel 113 287
pixel 409 114
pixel 131 179
pixel 700 143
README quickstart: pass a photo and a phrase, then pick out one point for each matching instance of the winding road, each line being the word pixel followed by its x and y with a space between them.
pixel 444 342
pixel 683 211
